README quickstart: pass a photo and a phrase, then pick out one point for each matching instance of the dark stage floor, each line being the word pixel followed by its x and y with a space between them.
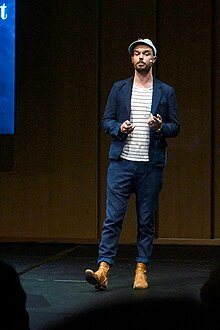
pixel 52 276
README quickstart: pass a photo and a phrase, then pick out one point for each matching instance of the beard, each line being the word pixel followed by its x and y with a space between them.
pixel 143 69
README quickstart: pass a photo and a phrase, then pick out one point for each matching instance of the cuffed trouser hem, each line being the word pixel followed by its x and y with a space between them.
pixel 108 260
pixel 143 260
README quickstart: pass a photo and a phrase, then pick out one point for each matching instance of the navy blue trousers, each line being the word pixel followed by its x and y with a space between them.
pixel 125 178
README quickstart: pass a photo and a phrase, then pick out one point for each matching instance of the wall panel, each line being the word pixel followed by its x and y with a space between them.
pixel 50 190
pixel 216 121
pixel 185 61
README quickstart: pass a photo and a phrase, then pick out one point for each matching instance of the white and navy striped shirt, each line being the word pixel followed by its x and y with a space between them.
pixel 136 147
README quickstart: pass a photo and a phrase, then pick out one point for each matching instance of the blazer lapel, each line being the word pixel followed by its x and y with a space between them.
pixel 157 91
pixel 128 91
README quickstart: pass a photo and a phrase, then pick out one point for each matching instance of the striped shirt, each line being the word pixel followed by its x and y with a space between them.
pixel 136 147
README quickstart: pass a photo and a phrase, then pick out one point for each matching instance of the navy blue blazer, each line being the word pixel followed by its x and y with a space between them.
pixel 118 109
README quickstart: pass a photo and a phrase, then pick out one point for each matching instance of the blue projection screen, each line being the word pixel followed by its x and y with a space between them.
pixel 7 67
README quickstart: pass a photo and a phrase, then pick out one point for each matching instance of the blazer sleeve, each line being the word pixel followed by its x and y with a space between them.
pixel 111 121
pixel 168 109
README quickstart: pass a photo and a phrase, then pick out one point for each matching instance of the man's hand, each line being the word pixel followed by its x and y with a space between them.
pixel 127 127
pixel 155 122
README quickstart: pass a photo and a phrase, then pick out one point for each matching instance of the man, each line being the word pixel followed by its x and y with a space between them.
pixel 141 112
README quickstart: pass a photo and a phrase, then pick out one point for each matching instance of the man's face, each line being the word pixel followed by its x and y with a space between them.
pixel 143 58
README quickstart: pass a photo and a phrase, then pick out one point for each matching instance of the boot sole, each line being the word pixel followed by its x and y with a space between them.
pixel 140 287
pixel 89 275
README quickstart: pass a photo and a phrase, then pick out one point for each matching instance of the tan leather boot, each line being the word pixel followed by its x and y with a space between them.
pixel 100 277
pixel 140 279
